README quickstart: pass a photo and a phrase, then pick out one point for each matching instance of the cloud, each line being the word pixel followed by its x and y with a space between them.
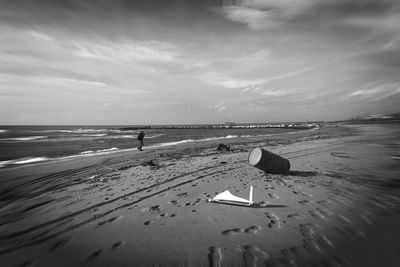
pixel 236 83
pixel 375 93
pixel 253 18
pixel 225 81
pixel 261 14
pixel 129 51
pixel 273 93
pixel 69 80
pixel 220 107
pixel 167 59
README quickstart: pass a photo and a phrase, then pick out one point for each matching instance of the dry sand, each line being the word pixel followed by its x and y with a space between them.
pixel 339 205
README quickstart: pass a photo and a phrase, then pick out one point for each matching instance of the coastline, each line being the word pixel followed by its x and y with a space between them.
pixel 116 210
pixel 35 145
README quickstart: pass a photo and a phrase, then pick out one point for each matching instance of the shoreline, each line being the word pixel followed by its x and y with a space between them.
pixel 95 150
pixel 11 176
pixel 177 145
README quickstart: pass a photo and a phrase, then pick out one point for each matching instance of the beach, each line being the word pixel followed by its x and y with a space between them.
pixel 338 205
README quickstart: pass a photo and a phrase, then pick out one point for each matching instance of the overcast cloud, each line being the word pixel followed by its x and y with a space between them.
pixel 161 62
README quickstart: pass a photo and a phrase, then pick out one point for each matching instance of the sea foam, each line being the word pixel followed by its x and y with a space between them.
pixel 25 138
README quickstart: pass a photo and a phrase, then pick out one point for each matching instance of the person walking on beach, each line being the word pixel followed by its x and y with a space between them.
pixel 140 138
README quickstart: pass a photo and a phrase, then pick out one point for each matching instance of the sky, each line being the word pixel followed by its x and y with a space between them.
pixel 190 61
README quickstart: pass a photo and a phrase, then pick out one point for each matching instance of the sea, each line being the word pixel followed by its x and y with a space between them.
pixel 28 144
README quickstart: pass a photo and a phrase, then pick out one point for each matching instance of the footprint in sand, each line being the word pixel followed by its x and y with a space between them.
pixel 155 208
pixel 304 202
pixel 214 256
pixel 274 222
pixel 263 204
pixel 148 222
pixel 174 202
pixel 94 255
pixel 232 231
pixel 294 215
pixel 340 155
pixel 252 229
pixel 117 245
pixel 273 195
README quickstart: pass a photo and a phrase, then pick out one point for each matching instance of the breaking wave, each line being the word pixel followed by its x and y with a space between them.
pixel 85 131
pixel 28 160
pixel 20 161
pixel 25 138
pixel 192 141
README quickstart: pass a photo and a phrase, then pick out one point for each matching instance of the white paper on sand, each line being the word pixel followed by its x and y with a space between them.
pixel 227 197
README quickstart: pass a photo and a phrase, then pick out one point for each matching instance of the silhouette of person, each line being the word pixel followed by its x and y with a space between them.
pixel 140 138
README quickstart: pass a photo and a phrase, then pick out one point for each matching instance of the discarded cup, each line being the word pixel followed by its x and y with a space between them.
pixel 268 162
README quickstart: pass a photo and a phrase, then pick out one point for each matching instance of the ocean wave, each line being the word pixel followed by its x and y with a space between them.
pixel 5 163
pixel 192 141
pixel 21 161
pixel 97 152
pixel 3 131
pixel 87 152
pixel 151 136
pixel 124 136
pixel 172 143
pixel 85 131
pixel 217 138
pixel 95 135
pixel 90 153
pixel 30 160
pixel 79 131
pixel 27 160
pixel 106 150
pixel 25 138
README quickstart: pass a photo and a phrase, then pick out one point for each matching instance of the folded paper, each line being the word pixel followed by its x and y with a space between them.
pixel 227 197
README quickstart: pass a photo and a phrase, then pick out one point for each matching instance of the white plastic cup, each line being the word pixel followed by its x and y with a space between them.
pixel 268 162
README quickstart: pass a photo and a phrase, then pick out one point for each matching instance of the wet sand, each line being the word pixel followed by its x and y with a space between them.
pixel 338 206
